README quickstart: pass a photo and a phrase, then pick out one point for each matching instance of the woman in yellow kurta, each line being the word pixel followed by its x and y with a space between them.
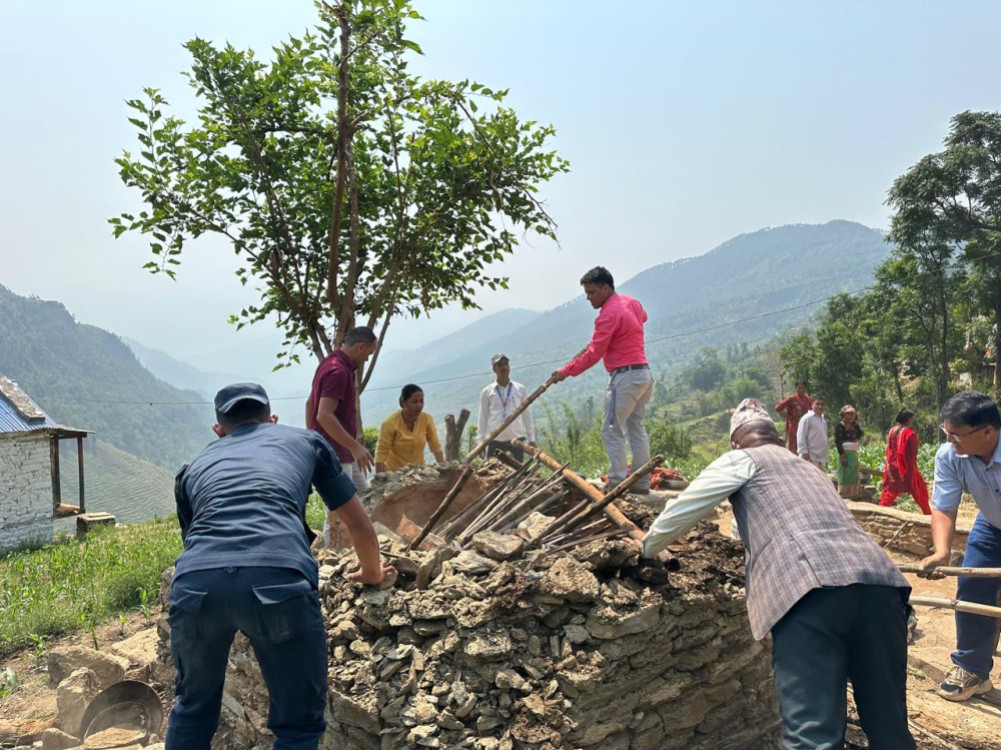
pixel 404 434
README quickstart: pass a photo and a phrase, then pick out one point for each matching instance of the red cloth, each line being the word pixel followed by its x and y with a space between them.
pixel 335 378
pixel 901 474
pixel 617 338
pixel 793 407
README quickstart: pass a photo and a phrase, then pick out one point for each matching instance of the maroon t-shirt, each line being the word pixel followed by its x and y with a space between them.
pixel 335 378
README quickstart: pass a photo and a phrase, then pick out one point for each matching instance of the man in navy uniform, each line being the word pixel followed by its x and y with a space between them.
pixel 246 566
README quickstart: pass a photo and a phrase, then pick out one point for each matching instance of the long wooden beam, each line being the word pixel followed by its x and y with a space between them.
pixel 591 493
pixel 964 572
pixel 969 608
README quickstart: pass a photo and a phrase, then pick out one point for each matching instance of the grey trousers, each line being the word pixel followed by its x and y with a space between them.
pixel 626 398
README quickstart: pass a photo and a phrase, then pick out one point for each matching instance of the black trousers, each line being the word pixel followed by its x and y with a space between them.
pixel 495 445
pixel 833 635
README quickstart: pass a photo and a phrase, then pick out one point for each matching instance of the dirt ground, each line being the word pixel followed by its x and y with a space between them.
pixel 32 708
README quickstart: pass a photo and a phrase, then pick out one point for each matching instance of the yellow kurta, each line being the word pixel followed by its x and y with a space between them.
pixel 399 447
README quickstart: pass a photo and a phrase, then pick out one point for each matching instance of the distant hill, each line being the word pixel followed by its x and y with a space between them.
pixel 180 374
pixel 88 378
pixel 751 278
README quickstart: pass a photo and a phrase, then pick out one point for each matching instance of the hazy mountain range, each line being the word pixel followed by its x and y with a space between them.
pixel 153 406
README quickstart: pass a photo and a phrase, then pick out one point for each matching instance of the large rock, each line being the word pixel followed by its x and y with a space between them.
pixel 73 696
pixel 107 668
pixel 55 739
pixel 139 651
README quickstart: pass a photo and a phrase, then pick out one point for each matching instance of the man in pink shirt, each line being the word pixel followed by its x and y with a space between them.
pixel 618 342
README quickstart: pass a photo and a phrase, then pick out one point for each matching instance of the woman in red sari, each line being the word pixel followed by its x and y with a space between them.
pixel 792 408
pixel 901 472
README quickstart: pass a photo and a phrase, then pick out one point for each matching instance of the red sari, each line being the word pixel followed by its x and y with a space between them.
pixel 901 474
pixel 793 407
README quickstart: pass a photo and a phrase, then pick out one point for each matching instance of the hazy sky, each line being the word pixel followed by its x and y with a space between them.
pixel 685 124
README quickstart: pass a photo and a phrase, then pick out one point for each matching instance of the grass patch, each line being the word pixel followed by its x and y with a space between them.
pixel 70 584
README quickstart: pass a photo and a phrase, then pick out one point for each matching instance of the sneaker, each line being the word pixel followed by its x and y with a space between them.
pixel 960 685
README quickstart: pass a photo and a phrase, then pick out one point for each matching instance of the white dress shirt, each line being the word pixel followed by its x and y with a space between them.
pixel 811 437
pixel 497 403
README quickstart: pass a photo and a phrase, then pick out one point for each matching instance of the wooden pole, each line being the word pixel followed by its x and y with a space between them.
pixel 590 493
pixel 79 468
pixel 964 572
pixel 969 608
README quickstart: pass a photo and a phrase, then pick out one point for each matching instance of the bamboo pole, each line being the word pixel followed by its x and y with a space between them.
pixel 969 608
pixel 590 493
pixel 964 572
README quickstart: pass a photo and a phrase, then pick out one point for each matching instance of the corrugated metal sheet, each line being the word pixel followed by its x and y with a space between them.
pixel 12 421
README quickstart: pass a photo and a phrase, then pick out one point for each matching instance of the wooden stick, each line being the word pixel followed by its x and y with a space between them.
pixel 965 572
pixel 969 608
pixel 440 510
pixel 572 519
pixel 591 493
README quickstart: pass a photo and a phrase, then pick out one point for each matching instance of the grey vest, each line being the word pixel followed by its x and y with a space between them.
pixel 799 536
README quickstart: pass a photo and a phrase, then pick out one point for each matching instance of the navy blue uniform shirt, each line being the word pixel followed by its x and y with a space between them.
pixel 241 501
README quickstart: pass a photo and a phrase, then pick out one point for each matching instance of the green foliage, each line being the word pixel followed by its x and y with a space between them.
pixel 575 438
pixel 670 440
pixel 370 437
pixel 9 682
pixel 72 584
pixel 350 188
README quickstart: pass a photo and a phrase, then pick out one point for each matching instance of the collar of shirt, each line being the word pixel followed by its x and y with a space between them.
pixel 342 356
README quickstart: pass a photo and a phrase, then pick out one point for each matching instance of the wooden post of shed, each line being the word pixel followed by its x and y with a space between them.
pixel 79 468
pixel 57 497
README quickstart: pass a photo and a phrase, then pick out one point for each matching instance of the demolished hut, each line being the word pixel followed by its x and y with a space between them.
pixel 522 617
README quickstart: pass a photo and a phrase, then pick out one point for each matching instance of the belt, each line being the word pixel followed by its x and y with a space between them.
pixel 624 368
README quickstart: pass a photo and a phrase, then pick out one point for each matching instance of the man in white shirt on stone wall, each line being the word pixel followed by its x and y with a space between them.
pixel 811 437
pixel 497 402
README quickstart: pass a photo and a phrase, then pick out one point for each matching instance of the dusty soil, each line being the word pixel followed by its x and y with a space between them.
pixel 32 709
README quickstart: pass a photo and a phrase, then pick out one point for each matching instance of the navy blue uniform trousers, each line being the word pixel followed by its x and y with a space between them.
pixel 976 635
pixel 833 635
pixel 279 611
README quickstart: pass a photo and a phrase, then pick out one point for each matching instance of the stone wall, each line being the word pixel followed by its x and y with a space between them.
pixel 581 651
pixel 25 490
pixel 900 531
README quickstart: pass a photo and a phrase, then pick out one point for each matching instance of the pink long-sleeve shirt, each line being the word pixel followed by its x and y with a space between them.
pixel 617 339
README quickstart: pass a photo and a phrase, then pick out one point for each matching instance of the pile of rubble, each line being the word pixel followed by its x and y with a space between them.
pixel 502 630
pixel 576 650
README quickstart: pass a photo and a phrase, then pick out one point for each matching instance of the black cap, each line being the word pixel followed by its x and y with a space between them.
pixel 231 395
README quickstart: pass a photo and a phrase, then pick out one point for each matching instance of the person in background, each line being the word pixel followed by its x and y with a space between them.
pixel 811 435
pixel 246 566
pixel 901 473
pixel 833 601
pixel 332 410
pixel 793 407
pixel 969 461
pixel 618 342
pixel 497 401
pixel 847 434
pixel 404 434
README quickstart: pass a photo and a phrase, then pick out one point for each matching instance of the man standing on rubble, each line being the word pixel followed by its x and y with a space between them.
pixel 331 408
pixel 969 461
pixel 497 401
pixel 246 566
pixel 835 604
pixel 618 342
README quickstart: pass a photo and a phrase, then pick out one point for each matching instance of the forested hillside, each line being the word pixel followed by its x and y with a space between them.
pixel 746 290
pixel 88 378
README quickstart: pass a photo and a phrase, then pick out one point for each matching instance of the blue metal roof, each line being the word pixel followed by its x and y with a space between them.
pixel 12 421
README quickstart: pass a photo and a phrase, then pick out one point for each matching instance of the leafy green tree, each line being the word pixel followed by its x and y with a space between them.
pixel 670 440
pixel 352 190
pixel 709 371
pixel 954 197
pixel 797 356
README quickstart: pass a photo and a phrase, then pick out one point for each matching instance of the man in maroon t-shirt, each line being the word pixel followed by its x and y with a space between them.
pixel 331 407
